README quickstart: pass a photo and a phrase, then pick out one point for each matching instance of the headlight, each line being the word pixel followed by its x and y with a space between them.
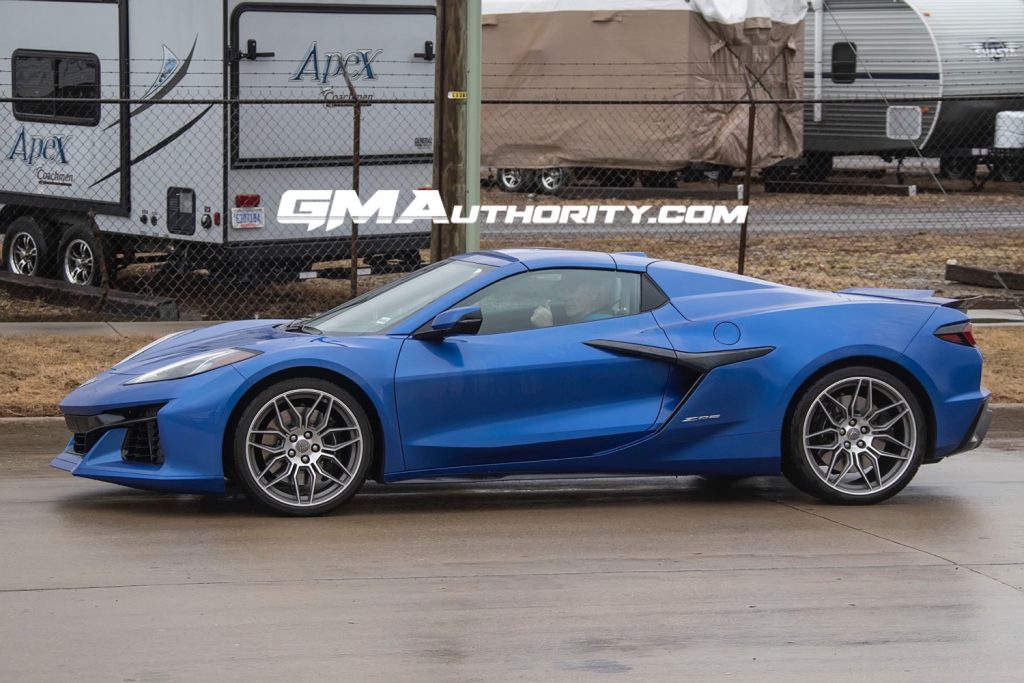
pixel 150 345
pixel 195 365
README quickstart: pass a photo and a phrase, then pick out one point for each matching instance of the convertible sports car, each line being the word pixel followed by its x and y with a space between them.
pixel 536 361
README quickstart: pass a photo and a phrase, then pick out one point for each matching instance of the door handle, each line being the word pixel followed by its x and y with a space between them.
pixel 250 52
pixel 428 52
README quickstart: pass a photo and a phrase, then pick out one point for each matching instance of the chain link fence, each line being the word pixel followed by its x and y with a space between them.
pixel 180 199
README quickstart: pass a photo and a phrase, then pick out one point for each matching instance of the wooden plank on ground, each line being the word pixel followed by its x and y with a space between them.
pixel 109 303
pixel 983 277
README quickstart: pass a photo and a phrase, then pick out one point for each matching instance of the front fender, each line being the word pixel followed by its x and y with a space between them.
pixel 367 362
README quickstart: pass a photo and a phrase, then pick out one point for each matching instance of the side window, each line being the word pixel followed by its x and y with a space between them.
pixel 57 79
pixel 547 298
pixel 844 62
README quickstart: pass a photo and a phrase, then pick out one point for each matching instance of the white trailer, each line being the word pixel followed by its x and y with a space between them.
pixel 201 180
pixel 862 53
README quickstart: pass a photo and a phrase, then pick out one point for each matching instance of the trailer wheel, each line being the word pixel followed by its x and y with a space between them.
pixel 79 257
pixel 552 180
pixel 1008 170
pixel 27 250
pixel 958 168
pixel 513 179
pixel 817 167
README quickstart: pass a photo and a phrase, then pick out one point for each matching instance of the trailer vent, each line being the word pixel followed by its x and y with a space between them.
pixel 181 211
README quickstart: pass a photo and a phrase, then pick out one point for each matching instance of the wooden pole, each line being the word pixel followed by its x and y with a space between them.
pixel 450 123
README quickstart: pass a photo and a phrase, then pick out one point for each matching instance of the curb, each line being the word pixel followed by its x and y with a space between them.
pixel 99 329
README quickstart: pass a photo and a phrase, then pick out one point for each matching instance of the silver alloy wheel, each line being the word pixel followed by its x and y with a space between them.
pixel 79 263
pixel 511 178
pixel 24 256
pixel 552 179
pixel 860 436
pixel 304 447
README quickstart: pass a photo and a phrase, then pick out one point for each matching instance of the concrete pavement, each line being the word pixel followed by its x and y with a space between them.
pixel 644 579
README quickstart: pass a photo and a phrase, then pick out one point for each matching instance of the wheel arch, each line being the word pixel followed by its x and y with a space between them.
pixel 313 372
pixel 904 375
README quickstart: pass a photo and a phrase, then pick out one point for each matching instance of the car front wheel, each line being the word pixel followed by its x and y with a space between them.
pixel 856 436
pixel 302 447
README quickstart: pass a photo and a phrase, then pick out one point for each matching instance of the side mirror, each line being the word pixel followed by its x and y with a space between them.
pixel 462 320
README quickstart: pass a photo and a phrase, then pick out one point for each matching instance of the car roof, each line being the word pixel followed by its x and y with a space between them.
pixel 538 257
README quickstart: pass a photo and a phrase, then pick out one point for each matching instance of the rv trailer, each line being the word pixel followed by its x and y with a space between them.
pixel 175 166
pixel 915 51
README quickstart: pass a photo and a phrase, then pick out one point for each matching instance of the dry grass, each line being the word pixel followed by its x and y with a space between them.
pixel 909 260
pixel 39 371
pixel 1003 371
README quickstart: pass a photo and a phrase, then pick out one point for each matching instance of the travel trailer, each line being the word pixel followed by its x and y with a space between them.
pixel 881 66
pixel 923 50
pixel 177 170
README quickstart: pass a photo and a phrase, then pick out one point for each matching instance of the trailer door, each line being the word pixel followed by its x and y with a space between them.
pixel 287 52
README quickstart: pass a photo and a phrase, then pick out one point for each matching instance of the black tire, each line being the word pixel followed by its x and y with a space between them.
pixel 958 168
pixel 78 260
pixel 552 180
pixel 27 248
pixel 720 174
pixel 853 473
pixel 1008 170
pixel 246 459
pixel 513 179
pixel 817 167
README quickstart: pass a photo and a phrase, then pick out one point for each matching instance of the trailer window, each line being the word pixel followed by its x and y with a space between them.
pixel 844 62
pixel 58 80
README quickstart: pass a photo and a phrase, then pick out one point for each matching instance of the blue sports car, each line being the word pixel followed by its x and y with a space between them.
pixel 537 361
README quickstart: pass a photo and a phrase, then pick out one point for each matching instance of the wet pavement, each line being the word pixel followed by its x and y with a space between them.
pixel 645 579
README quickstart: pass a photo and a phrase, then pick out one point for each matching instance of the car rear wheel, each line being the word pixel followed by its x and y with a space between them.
pixel 302 447
pixel 856 436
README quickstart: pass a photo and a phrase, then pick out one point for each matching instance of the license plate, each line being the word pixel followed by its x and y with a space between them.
pixel 247 218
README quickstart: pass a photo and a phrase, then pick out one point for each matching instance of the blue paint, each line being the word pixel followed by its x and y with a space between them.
pixel 541 400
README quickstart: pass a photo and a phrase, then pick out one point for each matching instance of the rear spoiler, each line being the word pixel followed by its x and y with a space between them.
pixel 921 296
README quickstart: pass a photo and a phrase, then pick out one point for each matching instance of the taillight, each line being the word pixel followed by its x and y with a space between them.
pixel 244 201
pixel 958 333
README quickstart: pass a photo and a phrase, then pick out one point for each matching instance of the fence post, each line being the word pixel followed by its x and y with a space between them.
pixel 747 178
pixel 356 137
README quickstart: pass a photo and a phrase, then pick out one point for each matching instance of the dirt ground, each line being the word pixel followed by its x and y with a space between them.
pixel 39 371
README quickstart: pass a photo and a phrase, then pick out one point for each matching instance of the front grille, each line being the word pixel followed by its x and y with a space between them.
pixel 142 444
pixel 84 441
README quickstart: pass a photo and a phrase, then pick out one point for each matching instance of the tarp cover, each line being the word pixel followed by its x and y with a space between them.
pixel 702 54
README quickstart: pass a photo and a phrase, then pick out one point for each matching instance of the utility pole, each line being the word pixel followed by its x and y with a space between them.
pixel 457 121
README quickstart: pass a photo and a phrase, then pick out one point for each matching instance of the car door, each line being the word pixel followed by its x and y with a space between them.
pixel 528 386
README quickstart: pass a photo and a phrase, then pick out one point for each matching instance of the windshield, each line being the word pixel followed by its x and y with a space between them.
pixel 379 309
